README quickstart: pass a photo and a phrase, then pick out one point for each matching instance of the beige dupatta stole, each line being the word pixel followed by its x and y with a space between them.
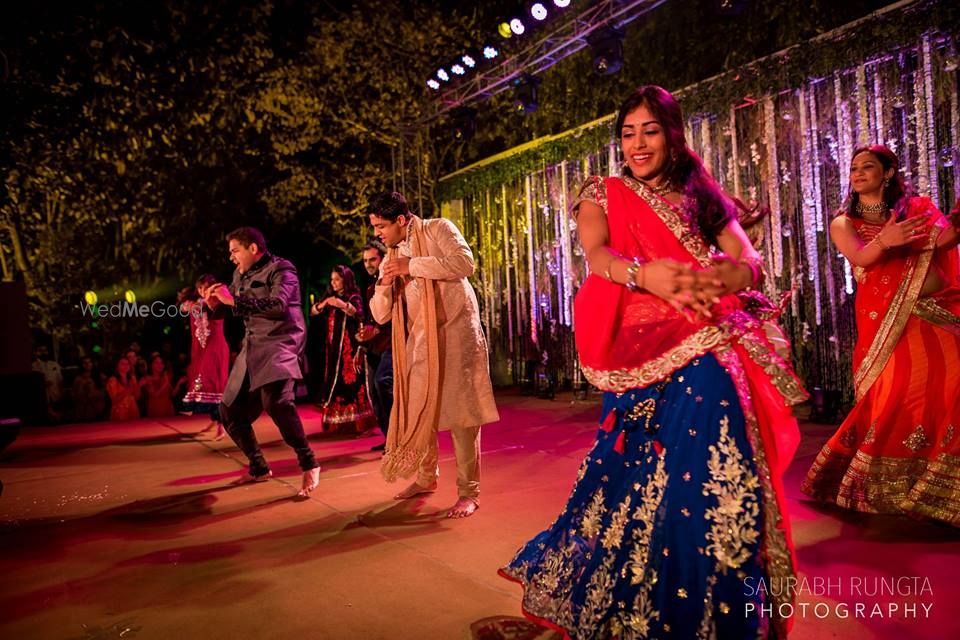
pixel 412 428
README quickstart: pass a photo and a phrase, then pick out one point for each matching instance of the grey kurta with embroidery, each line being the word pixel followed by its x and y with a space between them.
pixel 267 297
pixel 466 396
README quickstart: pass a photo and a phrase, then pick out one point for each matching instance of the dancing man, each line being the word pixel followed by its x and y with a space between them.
pixel 441 377
pixel 266 293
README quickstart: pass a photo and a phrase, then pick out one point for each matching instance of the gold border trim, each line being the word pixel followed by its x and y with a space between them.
pixel 901 307
pixel 780 566
pixel 594 190
pixel 779 370
pixel 928 309
pixel 672 219
pixel 620 380
pixel 883 484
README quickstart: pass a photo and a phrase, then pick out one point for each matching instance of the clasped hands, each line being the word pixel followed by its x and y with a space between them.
pixel 394 268
pixel 692 291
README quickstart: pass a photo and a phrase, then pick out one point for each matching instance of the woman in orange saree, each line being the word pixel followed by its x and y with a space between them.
pixel 677 515
pixel 898 451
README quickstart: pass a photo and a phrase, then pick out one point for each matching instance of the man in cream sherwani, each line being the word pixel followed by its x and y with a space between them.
pixel 441 370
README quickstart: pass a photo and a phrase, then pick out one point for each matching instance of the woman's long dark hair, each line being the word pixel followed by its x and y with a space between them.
pixel 350 287
pixel 896 194
pixel 712 209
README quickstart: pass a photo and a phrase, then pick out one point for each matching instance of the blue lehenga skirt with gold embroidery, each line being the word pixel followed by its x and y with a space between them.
pixel 662 533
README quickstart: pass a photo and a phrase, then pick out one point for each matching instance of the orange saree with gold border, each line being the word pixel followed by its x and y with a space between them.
pixel 898 451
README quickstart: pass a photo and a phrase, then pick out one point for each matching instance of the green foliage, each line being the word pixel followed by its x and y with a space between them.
pixel 142 134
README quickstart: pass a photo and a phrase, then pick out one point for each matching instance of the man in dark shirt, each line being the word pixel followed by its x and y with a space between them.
pixel 266 293
pixel 376 341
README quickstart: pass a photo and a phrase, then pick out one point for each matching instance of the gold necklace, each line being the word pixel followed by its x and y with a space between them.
pixel 875 209
pixel 660 189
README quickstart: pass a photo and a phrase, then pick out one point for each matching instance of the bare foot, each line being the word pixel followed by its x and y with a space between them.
pixel 311 479
pixel 463 509
pixel 221 432
pixel 246 478
pixel 415 490
pixel 209 426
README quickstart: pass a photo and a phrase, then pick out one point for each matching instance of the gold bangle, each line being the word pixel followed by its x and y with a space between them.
pixel 883 246
pixel 632 270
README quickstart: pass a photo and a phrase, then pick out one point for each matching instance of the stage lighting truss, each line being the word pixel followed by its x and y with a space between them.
pixel 514 27
pixel 558 39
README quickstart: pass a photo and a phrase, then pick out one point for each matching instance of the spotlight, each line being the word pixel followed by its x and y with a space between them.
pixel 538 11
pixel 457 69
pixel 607 47
pixel 433 84
pixel 563 4
pixel 525 93
pixel 463 122
pixel 516 25
pixel 504 29
pixel 470 62
pixel 490 53
pixel 443 75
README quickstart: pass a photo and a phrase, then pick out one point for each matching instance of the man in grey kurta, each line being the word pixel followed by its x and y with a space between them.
pixel 266 293
pixel 466 394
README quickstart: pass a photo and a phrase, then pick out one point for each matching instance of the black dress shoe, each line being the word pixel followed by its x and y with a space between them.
pixel 379 447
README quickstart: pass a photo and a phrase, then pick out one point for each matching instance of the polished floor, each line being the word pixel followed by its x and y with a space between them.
pixel 131 531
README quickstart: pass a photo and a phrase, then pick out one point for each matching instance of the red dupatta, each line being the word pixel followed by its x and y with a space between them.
pixel 631 339
pixel 888 292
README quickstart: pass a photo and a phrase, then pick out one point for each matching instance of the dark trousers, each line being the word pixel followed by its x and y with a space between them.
pixel 380 386
pixel 276 398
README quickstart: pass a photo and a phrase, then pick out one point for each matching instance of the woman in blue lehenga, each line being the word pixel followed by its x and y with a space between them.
pixel 676 526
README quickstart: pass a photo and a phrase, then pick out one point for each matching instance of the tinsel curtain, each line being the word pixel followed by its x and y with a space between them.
pixel 789 151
